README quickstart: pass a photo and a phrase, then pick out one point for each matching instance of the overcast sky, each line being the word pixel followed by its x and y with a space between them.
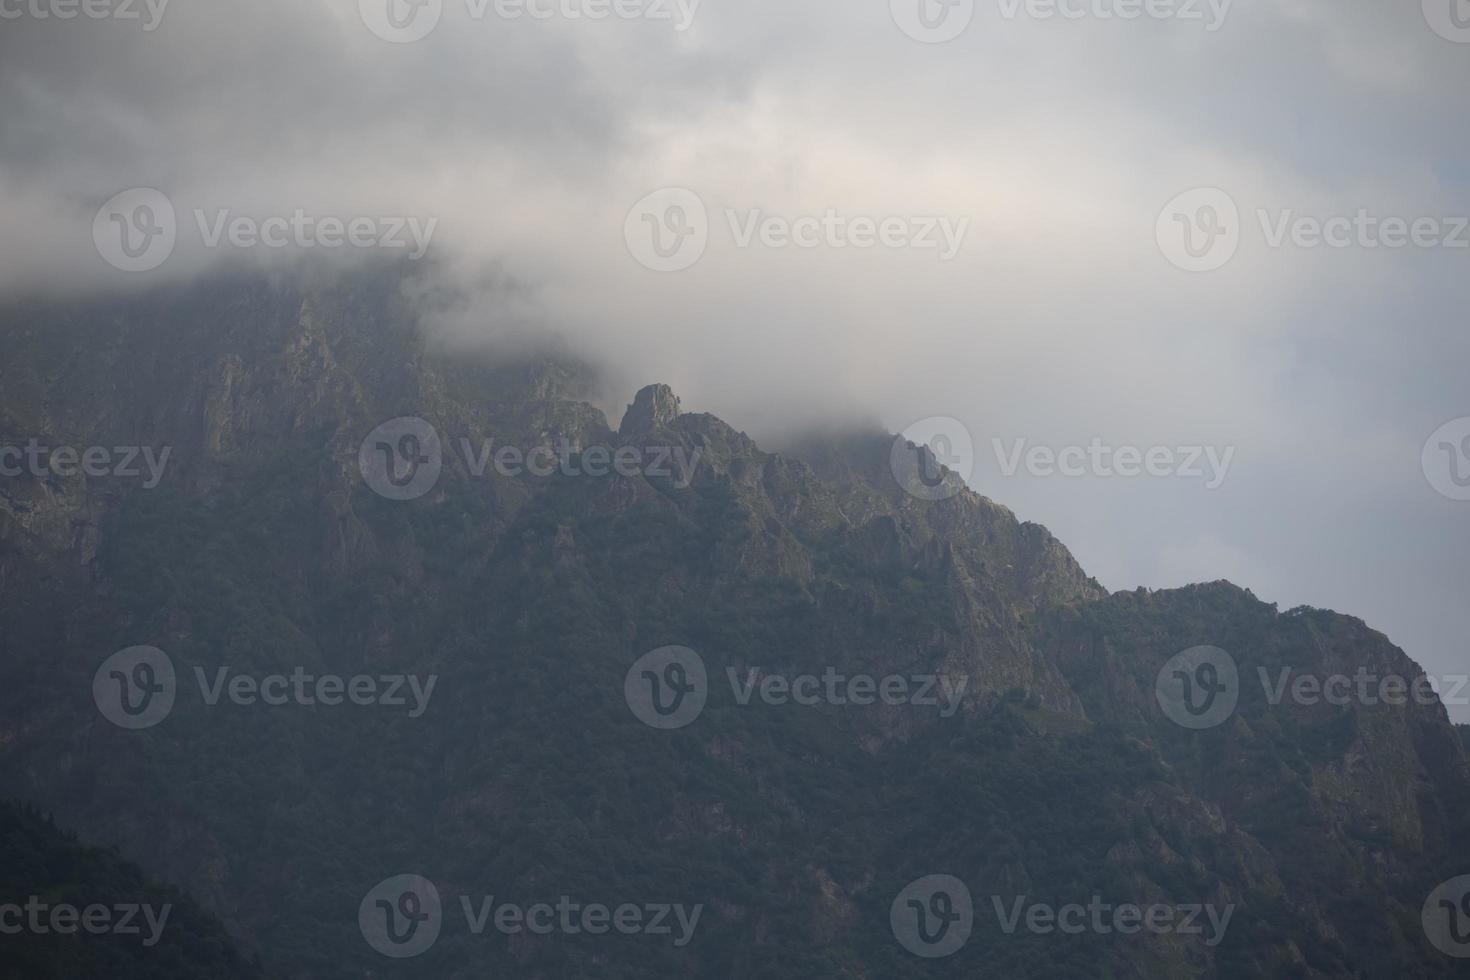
pixel 1032 279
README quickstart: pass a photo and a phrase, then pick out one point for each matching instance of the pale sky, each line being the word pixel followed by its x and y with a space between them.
pixel 1055 143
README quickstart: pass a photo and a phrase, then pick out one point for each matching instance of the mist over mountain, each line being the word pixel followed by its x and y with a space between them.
pixel 734 488
pixel 492 734
pixel 527 142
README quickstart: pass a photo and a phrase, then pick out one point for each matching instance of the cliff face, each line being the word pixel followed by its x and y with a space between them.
pixel 269 543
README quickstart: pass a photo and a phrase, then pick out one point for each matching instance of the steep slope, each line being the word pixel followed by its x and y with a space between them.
pixel 81 913
pixel 268 546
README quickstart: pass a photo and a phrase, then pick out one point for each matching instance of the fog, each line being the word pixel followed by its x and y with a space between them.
pixel 524 149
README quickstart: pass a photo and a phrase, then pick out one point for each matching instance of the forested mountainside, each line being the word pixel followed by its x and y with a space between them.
pixel 499 618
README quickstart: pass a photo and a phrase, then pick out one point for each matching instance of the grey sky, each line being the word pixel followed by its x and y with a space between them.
pixel 1059 320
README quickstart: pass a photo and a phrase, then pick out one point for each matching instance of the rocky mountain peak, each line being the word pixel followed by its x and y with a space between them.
pixel 655 406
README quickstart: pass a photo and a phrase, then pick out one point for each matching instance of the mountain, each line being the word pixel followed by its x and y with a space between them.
pixel 112 921
pixel 298 526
